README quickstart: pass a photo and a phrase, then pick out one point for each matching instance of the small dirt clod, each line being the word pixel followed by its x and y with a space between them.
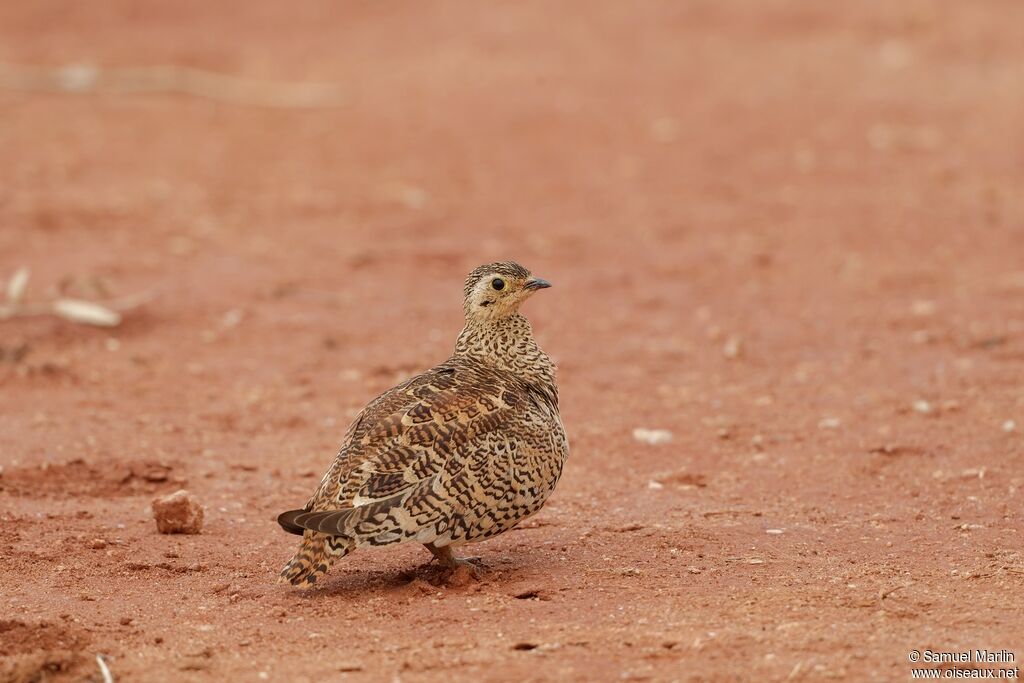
pixel 178 513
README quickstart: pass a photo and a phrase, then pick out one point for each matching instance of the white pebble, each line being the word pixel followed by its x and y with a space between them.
pixel 923 407
pixel 232 318
pixel 774 532
pixel 829 423
pixel 1009 426
pixel 733 347
pixel 655 485
pixel 652 436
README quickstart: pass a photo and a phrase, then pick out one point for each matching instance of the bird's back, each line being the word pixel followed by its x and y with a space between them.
pixel 457 454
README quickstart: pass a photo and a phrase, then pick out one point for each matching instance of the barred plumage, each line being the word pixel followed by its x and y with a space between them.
pixel 460 453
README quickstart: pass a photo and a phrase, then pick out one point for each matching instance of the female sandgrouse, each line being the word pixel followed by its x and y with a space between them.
pixel 461 453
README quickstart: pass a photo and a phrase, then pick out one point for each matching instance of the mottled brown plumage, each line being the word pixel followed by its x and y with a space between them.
pixel 460 453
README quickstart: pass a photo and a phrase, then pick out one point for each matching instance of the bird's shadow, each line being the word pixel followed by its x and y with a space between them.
pixel 425 578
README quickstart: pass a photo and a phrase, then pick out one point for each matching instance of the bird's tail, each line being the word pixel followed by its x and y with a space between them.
pixel 315 556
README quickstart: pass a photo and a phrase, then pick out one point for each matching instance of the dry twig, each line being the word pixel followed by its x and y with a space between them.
pixel 104 669
pixel 100 314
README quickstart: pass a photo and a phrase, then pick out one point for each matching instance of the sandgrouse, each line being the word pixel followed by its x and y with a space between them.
pixel 463 452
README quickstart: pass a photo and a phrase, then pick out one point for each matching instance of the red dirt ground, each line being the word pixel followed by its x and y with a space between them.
pixel 788 232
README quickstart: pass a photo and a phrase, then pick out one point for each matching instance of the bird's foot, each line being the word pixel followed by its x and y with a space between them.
pixel 471 565
pixel 460 569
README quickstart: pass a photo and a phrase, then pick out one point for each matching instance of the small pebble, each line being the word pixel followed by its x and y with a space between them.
pixel 923 407
pixel 97 544
pixel 1009 426
pixel 653 437
pixel 829 423
pixel 733 347
pixel 178 513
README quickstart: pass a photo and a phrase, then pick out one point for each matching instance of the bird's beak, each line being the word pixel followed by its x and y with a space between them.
pixel 536 283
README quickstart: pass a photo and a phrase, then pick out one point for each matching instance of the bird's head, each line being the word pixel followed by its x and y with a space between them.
pixel 496 290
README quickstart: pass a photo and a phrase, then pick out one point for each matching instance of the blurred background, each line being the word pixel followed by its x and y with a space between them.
pixel 787 234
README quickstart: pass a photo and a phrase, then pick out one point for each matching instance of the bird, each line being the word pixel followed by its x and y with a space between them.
pixel 458 454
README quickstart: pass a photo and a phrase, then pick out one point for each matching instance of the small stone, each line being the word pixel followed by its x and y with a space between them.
pixel 733 347
pixel 97 544
pixel 1009 426
pixel 232 318
pixel 178 513
pixel 653 437
pixel 774 532
pixel 155 475
pixel 126 621
pixel 655 485
pixel 923 407
pixel 829 423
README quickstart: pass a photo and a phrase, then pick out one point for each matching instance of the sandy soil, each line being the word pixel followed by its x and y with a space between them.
pixel 787 232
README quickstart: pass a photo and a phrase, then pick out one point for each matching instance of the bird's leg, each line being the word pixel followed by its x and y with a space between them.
pixel 445 557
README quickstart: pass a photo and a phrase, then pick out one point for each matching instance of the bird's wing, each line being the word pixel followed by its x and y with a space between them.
pixel 408 449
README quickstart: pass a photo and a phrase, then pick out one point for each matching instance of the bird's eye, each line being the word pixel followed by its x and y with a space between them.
pixel 498 283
